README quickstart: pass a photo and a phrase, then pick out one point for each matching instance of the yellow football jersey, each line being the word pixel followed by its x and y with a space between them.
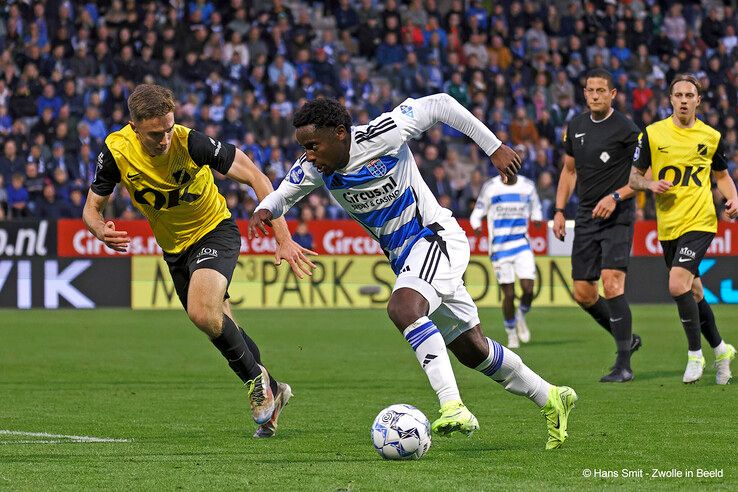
pixel 686 157
pixel 174 191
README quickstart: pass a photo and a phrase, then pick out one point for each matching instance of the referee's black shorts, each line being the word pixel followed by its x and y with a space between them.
pixel 217 250
pixel 602 244
pixel 687 250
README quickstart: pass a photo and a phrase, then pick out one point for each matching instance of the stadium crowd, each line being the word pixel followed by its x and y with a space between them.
pixel 240 68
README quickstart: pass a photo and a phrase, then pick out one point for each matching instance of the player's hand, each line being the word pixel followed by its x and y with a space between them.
pixel 604 208
pixel 294 254
pixel 116 240
pixel 731 209
pixel 559 226
pixel 259 220
pixel 659 187
pixel 506 161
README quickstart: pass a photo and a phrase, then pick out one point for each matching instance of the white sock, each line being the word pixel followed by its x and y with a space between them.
pixel 508 369
pixel 720 349
pixel 694 353
pixel 430 350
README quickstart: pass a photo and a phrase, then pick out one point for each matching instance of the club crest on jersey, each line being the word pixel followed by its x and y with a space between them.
pixel 377 168
pixel 296 175
pixel 407 110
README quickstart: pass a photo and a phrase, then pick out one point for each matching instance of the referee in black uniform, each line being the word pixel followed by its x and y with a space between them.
pixel 599 146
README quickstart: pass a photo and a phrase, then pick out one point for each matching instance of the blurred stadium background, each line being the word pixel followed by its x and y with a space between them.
pixel 239 69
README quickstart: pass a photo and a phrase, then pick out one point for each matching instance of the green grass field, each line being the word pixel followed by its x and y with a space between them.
pixel 151 378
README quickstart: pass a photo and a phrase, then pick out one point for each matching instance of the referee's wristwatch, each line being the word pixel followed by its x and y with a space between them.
pixel 616 196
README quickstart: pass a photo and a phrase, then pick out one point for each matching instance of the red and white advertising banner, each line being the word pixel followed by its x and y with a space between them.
pixel 330 237
pixel 646 240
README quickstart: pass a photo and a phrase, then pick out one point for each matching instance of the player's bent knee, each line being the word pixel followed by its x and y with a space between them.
pixel 585 299
pixel 405 307
pixel 207 321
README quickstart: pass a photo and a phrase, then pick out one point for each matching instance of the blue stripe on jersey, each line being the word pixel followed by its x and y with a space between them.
pixel 377 218
pixel 510 252
pixel 335 180
pixel 507 238
pixel 509 197
pixel 398 237
pixel 397 263
pixel 421 334
pixel 508 222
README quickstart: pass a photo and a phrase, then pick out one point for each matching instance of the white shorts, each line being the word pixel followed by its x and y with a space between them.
pixel 439 279
pixel 522 265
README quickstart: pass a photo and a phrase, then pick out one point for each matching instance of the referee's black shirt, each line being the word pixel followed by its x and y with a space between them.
pixel 603 154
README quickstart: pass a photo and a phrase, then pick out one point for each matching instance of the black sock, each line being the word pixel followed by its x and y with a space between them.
pixel 621 324
pixel 707 324
pixel 233 347
pixel 689 315
pixel 251 345
pixel 525 302
pixel 601 313
pixel 257 355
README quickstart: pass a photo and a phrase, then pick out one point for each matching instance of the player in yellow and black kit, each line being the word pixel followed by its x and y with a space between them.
pixel 166 169
pixel 681 151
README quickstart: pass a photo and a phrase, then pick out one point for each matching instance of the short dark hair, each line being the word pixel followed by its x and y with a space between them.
pixel 686 77
pixel 150 101
pixel 601 73
pixel 323 112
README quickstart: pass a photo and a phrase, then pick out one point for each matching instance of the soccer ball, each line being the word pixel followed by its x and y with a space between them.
pixel 401 432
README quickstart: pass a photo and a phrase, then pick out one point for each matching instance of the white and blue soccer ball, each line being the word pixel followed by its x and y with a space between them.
pixel 401 432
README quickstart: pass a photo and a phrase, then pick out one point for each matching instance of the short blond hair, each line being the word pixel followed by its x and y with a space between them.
pixel 150 101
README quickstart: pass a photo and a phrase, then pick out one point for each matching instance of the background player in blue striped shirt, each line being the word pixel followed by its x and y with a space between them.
pixel 508 206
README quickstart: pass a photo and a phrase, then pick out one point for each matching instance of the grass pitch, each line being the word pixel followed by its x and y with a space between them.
pixel 152 379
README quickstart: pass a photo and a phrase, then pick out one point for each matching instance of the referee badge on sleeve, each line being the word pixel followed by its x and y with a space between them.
pixel 637 152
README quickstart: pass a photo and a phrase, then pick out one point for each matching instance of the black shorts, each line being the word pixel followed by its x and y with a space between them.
pixel 601 244
pixel 687 250
pixel 217 250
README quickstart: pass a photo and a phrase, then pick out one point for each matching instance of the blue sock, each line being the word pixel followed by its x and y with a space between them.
pixel 509 324
pixel 524 308
pixel 507 368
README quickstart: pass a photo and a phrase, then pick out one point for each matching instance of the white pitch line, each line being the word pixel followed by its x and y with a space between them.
pixel 60 436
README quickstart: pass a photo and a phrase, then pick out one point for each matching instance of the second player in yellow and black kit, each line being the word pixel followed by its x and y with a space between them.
pixel 166 168
pixel 685 213
pixel 685 157
pixel 176 193
pixel 684 154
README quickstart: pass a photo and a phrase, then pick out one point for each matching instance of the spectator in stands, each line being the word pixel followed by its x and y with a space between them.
pixel 3 199
pixel 18 198
pixel 10 162
pixel 522 128
pixel 49 206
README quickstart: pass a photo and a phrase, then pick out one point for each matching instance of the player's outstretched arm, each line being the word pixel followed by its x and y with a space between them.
pixel 92 215
pixel 245 171
pixel 726 186
pixel 445 109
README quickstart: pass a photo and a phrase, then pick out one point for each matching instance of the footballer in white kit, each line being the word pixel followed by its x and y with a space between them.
pixel 508 207
pixel 371 172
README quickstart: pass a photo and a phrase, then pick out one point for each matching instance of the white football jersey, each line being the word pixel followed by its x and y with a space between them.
pixel 381 186
pixel 508 208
